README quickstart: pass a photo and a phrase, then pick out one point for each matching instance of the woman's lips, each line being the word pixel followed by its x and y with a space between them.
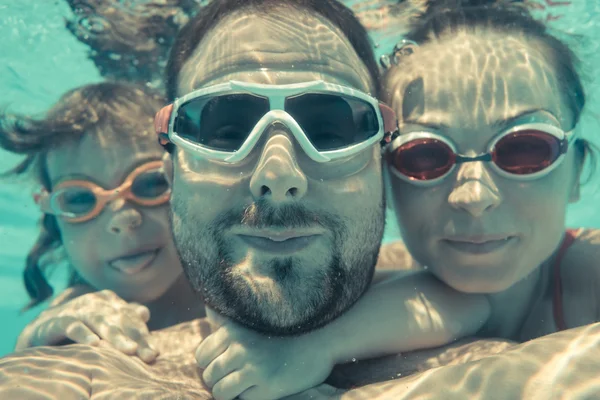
pixel 480 245
pixel 134 263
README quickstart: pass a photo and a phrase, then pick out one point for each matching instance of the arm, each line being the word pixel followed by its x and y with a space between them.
pixel 403 314
pixel 398 314
pixel 561 365
pixel 87 319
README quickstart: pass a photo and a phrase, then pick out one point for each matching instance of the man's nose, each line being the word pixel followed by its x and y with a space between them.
pixel 124 219
pixel 474 191
pixel 277 173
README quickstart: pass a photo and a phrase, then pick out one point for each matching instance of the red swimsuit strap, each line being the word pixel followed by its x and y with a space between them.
pixel 557 301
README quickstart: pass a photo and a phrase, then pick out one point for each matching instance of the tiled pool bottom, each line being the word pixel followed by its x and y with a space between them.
pixel 40 60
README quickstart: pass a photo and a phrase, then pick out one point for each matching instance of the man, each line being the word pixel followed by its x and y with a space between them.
pixel 264 209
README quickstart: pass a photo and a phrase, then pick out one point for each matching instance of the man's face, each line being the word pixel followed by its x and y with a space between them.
pixel 278 242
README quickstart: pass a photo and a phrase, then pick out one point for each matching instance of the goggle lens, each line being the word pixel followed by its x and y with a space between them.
pixel 220 122
pixel 526 152
pixel 333 121
pixel 75 200
pixel 423 159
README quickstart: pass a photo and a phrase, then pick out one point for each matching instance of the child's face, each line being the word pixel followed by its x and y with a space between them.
pixel 127 248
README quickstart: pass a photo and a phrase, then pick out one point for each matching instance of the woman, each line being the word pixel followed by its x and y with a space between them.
pixel 488 156
pixel 105 202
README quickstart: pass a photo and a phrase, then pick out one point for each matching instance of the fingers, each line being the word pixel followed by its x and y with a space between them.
pixel 58 329
pixel 231 386
pixel 113 334
pixel 222 366
pixel 144 351
pixel 212 347
pixel 142 311
pixel 79 333
pixel 216 320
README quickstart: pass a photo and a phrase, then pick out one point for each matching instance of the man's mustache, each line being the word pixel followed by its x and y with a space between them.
pixel 262 214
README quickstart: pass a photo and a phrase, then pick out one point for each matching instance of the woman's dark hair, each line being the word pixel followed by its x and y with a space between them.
pixel 339 15
pixel 122 108
pixel 444 17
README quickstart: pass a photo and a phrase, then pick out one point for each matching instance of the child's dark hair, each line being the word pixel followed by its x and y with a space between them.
pixel 84 110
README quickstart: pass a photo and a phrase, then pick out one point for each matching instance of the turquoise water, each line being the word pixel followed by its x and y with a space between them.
pixel 40 59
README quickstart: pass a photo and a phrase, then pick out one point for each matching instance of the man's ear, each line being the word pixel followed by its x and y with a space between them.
pixel 168 166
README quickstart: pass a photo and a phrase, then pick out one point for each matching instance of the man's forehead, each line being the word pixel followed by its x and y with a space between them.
pixel 285 41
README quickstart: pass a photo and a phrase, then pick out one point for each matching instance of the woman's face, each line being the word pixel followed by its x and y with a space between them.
pixel 476 230
pixel 127 248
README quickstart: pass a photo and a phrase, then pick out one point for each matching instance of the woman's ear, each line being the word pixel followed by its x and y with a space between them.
pixel 168 167
pixel 387 185
pixel 581 153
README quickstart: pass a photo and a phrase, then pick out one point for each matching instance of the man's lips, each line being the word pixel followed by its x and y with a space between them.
pixel 279 241
pixel 480 244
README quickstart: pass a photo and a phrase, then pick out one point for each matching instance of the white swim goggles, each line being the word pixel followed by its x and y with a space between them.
pixel 224 122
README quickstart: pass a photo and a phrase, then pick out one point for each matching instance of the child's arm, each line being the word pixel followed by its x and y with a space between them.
pixel 403 313
pixel 398 314
pixel 87 318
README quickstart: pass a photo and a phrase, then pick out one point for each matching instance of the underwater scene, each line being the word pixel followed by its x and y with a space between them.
pixel 311 199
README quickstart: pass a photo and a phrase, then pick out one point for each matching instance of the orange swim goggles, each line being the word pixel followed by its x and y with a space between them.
pixel 81 200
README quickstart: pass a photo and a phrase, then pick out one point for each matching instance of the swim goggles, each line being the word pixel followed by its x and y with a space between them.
pixel 81 200
pixel 524 152
pixel 224 122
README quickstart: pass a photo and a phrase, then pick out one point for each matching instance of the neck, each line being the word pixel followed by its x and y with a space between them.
pixel 511 307
pixel 178 304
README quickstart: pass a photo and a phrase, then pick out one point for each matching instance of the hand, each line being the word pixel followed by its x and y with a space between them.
pixel 88 319
pixel 242 363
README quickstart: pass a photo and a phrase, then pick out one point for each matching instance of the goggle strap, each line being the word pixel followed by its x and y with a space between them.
pixel 161 124
pixel 390 122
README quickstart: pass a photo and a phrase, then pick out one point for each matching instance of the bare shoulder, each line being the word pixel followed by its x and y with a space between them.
pixel 580 276
pixel 395 256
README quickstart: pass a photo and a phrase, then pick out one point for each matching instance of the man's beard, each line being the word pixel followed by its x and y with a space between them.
pixel 300 298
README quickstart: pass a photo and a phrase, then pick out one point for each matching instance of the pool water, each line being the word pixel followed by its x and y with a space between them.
pixel 40 60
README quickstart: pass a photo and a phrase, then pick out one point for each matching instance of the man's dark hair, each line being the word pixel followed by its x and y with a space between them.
pixel 339 15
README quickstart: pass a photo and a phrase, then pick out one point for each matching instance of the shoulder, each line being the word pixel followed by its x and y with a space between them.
pixel 580 274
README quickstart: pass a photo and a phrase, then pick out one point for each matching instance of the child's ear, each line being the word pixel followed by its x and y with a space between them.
pixel 168 167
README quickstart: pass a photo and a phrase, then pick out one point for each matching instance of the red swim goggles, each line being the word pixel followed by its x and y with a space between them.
pixel 524 152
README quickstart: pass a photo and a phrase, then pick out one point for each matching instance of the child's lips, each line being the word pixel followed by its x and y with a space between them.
pixel 133 263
